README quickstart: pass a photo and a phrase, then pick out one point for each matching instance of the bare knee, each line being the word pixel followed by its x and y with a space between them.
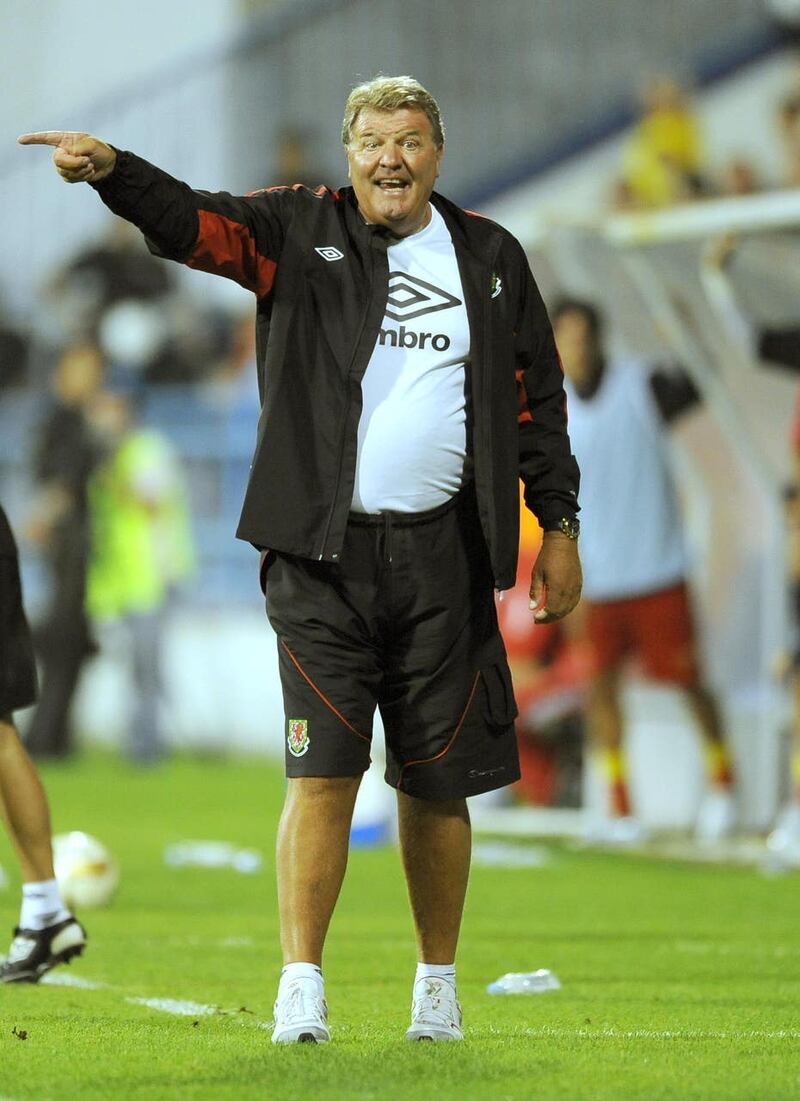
pixel 322 789
pixel 8 732
pixel 429 809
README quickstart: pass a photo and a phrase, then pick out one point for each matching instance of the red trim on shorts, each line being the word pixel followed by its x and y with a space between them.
pixel 456 732
pixel 321 694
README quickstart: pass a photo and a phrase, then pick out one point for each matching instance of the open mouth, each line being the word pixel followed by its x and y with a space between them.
pixel 392 186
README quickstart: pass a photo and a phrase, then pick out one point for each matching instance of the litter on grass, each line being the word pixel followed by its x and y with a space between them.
pixel 501 854
pixel 212 854
pixel 525 982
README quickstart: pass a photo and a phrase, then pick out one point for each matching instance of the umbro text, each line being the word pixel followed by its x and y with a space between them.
pixel 405 338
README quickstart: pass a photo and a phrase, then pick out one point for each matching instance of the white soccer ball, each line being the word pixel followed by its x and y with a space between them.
pixel 87 873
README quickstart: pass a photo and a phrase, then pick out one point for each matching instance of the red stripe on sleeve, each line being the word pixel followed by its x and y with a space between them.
pixel 225 247
pixel 523 409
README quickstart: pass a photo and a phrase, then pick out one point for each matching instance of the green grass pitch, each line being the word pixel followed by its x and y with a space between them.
pixel 679 982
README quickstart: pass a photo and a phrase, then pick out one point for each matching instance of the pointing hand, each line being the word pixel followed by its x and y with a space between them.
pixel 78 157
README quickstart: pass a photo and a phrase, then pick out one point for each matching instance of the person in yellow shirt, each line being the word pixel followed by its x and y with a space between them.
pixel 663 158
pixel 141 550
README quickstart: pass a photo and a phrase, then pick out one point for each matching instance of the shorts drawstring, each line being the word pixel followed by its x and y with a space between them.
pixel 387 539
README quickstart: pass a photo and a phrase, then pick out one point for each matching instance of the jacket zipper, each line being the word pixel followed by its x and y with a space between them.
pixel 343 435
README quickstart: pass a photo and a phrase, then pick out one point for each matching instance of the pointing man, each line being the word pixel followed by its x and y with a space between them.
pixel 384 498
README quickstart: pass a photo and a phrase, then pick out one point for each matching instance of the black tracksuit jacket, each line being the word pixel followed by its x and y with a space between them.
pixel 317 324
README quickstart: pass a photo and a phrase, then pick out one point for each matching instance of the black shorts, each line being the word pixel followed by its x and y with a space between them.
pixel 405 622
pixel 17 664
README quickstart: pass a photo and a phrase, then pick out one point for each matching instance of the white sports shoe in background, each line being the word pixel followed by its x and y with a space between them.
pixel 435 1012
pixel 623 831
pixel 301 1015
pixel 784 841
pixel 717 817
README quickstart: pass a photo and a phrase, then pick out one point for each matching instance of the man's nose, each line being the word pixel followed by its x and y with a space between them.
pixel 390 154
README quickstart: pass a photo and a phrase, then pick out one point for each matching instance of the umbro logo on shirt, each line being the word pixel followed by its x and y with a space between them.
pixel 329 253
pixel 410 297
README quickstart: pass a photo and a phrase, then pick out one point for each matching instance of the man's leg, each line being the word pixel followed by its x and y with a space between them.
pixel 706 712
pixel 604 722
pixel 146 743
pixel 313 843
pixel 25 806
pixel 717 815
pixel 48 934
pixel 435 842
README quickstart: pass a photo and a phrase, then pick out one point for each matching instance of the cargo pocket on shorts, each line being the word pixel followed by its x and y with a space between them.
pixel 266 560
pixel 501 710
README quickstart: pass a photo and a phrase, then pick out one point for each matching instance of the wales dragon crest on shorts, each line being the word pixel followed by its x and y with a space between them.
pixel 298 740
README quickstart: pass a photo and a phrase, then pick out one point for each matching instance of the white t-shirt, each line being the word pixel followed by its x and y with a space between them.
pixel 412 436
pixel 631 531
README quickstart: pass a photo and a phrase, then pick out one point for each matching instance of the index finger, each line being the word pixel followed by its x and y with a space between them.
pixel 46 137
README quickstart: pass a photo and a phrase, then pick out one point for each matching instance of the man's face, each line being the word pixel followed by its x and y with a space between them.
pixel 577 346
pixel 393 162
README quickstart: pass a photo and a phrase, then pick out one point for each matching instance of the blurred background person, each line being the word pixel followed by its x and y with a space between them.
pixel 664 158
pixel 788 124
pixel 549 668
pixel 141 551
pixel 740 176
pixel 15 350
pixel 47 933
pixel 116 268
pixel 636 600
pixel 296 162
pixel 778 346
pixel 66 453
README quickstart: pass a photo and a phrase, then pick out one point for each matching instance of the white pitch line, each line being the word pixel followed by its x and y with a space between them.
pixel 63 978
pixel 666 1034
pixel 176 1006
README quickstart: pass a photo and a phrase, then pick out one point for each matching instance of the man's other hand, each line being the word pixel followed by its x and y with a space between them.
pixel 556 578
pixel 78 157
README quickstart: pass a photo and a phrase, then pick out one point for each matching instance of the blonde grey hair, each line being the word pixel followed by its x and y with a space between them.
pixel 391 93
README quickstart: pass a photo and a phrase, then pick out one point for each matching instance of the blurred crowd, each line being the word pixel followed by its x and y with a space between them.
pixel 123 354
pixel 666 161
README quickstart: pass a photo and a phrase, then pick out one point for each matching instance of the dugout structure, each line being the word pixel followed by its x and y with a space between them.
pixel 669 297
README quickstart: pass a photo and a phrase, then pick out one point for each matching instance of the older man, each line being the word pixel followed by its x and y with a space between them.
pixel 408 378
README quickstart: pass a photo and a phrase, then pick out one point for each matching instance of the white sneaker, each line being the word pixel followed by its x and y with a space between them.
pixel 716 819
pixel 621 831
pixel 301 1015
pixel 784 841
pixel 435 1012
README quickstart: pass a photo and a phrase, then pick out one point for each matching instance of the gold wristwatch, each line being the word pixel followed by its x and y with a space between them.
pixel 567 525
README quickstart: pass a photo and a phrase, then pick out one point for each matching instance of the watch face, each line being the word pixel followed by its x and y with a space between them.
pixel 570 528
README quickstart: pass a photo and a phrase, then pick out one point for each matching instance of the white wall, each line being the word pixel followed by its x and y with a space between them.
pixel 124 72
pixel 60 58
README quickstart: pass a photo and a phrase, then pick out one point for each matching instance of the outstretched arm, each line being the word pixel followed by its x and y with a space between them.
pixel 239 238
pixel 78 157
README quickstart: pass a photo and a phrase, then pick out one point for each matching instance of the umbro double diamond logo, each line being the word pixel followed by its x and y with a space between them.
pixel 329 253
pixel 410 297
